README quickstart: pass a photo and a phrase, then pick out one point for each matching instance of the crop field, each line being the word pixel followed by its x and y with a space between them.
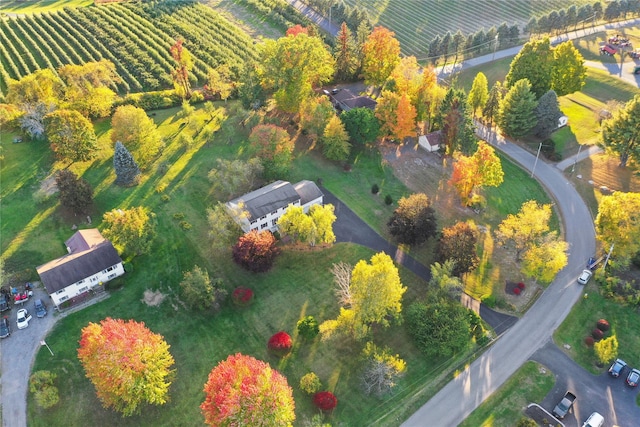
pixel 136 38
pixel 416 23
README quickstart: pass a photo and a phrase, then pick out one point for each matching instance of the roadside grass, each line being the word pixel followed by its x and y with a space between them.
pixel 582 319
pixel 530 383
pixel 36 6
pixel 494 71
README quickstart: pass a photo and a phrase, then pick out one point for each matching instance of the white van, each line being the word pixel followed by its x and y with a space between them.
pixel 594 420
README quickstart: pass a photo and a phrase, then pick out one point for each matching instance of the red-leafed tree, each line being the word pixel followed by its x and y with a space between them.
pixel 280 343
pixel 325 400
pixel 127 363
pixel 243 391
pixel 297 29
pixel 184 64
pixel 256 251
pixel 381 55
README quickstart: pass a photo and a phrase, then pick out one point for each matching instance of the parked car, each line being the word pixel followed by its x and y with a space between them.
pixel 23 318
pixel 41 310
pixel 616 368
pixel 5 329
pixel 4 302
pixel 564 405
pixel 585 276
pixel 633 378
pixel 594 420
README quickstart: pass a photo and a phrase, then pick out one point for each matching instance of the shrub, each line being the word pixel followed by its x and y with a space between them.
pixel 375 189
pixel 325 400
pixel 242 296
pixel 517 291
pixel 165 198
pixel 178 216
pixel 308 327
pixel 603 325
pixel 489 301
pixel 310 383
pixel 44 392
pixel 597 334
pixel 526 422
pixel 161 187
pixel 185 225
pixel 521 285
pixel 589 341
pixel 388 200
pixel 280 343
pixel 256 251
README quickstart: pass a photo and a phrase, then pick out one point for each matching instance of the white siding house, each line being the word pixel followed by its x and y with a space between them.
pixel 91 261
pixel 264 206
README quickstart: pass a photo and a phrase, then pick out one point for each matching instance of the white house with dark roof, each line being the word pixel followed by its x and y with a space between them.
pixel 92 260
pixel 266 205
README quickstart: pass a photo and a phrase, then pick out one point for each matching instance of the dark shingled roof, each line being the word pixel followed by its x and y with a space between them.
pixel 308 191
pixel 267 199
pixel 92 256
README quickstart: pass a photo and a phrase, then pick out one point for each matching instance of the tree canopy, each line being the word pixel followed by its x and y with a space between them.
pixel 131 231
pixel 381 55
pixel 75 193
pixel 127 363
pixel 517 116
pixel 41 86
pixel 458 243
pixel 335 140
pixel 414 220
pixel 527 226
pixel 256 251
pixel 87 87
pixel 71 135
pixel 361 124
pixel 199 291
pixel 483 168
pixel 535 63
pixel 137 131
pixel 312 228
pixel 547 113
pixel 125 166
pixel 396 114
pixel 274 147
pixel 618 223
pixel 569 73
pixel 621 133
pixel 479 93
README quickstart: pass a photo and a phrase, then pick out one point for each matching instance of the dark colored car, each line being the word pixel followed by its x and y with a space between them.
pixel 5 329
pixel 41 310
pixel 633 378
pixel 4 302
pixel 616 368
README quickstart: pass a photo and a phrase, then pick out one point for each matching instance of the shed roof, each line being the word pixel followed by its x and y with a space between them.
pixel 308 191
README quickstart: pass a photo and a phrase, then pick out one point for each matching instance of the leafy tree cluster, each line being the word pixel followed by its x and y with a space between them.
pixel 335 140
pixel 45 393
pixel 414 220
pixel 312 228
pixel 224 231
pixel 621 133
pixel 137 132
pixel 232 178
pixel 274 147
pixel 382 370
pixel 618 224
pixel 199 291
pixel 361 124
pixel 381 55
pixel 516 115
pixel 458 244
pixel 131 231
pixel 256 251
pixel 75 193
pixel 454 120
pixel 483 168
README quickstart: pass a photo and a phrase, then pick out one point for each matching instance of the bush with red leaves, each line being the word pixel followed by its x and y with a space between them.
pixel 256 251
pixel 589 341
pixel 517 291
pixel 280 343
pixel 521 286
pixel 242 296
pixel 603 325
pixel 325 400
pixel 597 334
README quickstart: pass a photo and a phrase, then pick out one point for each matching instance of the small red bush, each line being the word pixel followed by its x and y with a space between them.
pixel 280 342
pixel 517 291
pixel 597 334
pixel 325 400
pixel 603 325
pixel 589 341
pixel 521 285
pixel 242 295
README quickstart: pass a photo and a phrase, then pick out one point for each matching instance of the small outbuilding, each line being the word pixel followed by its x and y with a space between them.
pixel 431 141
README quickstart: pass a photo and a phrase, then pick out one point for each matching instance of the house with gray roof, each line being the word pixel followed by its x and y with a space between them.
pixel 261 208
pixel 90 262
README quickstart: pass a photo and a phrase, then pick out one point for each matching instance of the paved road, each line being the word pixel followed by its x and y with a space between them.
pixel 625 72
pixel 609 396
pixel 452 404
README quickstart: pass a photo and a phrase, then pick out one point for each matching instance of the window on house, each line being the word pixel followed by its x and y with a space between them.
pixel 111 276
pixel 80 282
pixel 64 298
pixel 274 222
pixel 104 271
pixel 94 279
pixel 263 225
pixel 255 221
pixel 86 288
pixel 263 217
pixel 110 268
pixel 61 291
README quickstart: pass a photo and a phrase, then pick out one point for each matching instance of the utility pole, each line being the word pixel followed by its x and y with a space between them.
pixel 607 259
pixel 573 169
pixel 495 46
pixel 536 162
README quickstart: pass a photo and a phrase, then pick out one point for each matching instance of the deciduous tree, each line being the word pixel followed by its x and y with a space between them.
pixel 568 74
pixel 88 89
pixel 138 132
pixel 291 66
pixel 183 65
pixel 127 363
pixel 414 220
pixel 534 62
pixel 361 124
pixel 232 178
pixel 381 55
pixel 397 116
pixel 517 116
pixel 199 291
pixel 458 243
pixel 382 370
pixel 607 349
pixel 243 391
pixel 621 133
pixel 323 217
pixel 443 279
pixel 274 147
pixel 45 393
pixel 220 82
pixel 125 166
pixel 454 120
pixel 470 173
pixel 130 230
pixel 547 114
pixel 335 140
pixel 479 93
pixel 71 135
pixel 42 86
pixel 33 118
pixel 315 113
pixel 528 226
pixel 618 223
pixel 544 259
pixel 256 251
pixel 316 227
pixel 75 193
pixel 224 231
pixel 491 108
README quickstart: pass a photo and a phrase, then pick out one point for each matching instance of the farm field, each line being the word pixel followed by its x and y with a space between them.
pixel 417 23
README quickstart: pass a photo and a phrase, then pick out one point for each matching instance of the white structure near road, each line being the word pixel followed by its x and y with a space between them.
pixel 264 206
pixel 92 260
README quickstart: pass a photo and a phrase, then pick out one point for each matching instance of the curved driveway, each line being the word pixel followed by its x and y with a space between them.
pixel 452 404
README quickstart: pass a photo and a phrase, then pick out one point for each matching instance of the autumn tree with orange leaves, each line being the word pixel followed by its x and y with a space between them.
pixel 381 55
pixel 127 363
pixel 397 116
pixel 244 391
pixel 184 64
pixel 471 172
pixel 273 145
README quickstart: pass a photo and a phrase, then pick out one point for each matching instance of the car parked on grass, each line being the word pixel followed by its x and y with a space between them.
pixel 41 310
pixel 633 378
pixel 23 317
pixel 585 276
pixel 616 368
pixel 594 420
pixel 5 329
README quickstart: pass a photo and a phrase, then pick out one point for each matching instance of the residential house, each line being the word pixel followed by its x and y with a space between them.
pixel 91 261
pixel 345 100
pixel 266 205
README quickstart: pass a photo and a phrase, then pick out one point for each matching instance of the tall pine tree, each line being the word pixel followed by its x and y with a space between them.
pixel 517 114
pixel 548 113
pixel 127 170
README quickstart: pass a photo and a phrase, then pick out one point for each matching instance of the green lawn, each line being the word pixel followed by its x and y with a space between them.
pixel 35 6
pixel 529 384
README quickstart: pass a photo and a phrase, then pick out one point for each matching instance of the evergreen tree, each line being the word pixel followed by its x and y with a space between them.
pixel 127 170
pixel 547 112
pixel 345 54
pixel 535 63
pixel 492 106
pixel 517 114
